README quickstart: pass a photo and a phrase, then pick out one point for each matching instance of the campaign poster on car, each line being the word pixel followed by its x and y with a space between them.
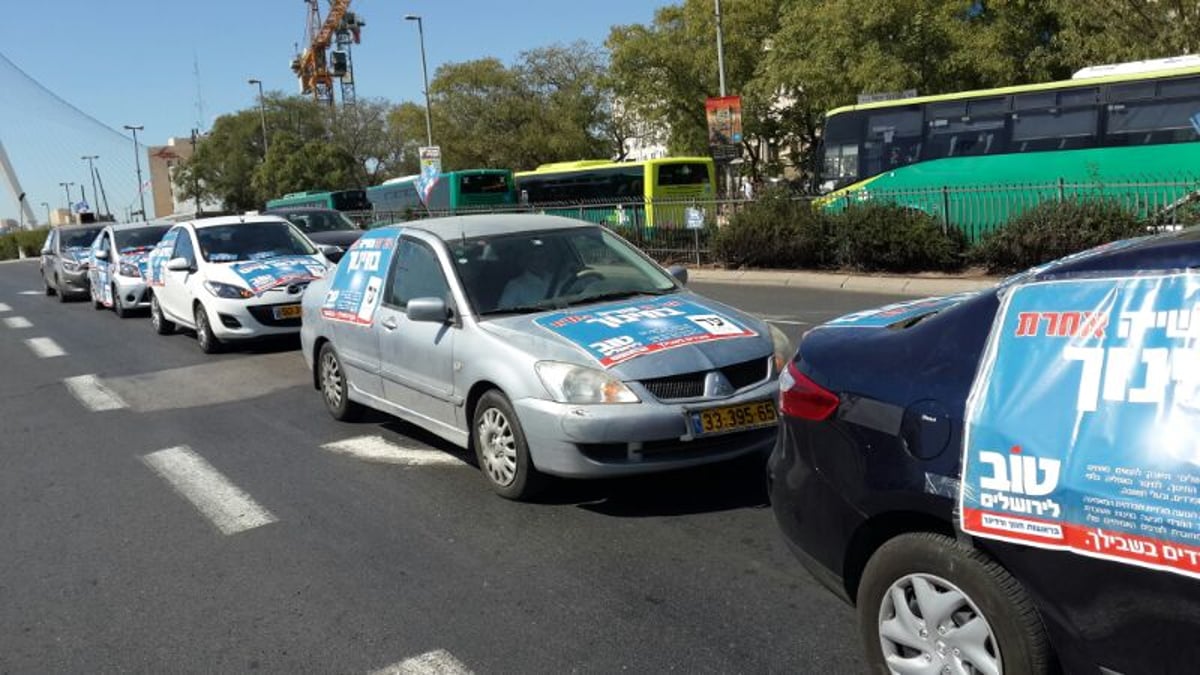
pixel 1083 424
pixel 267 273
pixel 156 262
pixel 357 287
pixel 887 315
pixel 615 333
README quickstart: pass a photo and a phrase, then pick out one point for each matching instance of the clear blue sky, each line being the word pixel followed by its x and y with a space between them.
pixel 132 62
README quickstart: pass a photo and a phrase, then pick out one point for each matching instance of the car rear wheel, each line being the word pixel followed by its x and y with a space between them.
pixel 334 388
pixel 46 287
pixel 117 306
pixel 501 449
pixel 209 344
pixel 161 325
pixel 928 603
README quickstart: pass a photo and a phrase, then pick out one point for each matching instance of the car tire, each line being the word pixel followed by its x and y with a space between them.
pixel 941 581
pixel 117 306
pixel 209 344
pixel 335 390
pixel 161 324
pixel 62 295
pixel 96 302
pixel 501 449
pixel 47 288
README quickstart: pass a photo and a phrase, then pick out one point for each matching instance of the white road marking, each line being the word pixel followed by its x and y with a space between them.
pixel 437 662
pixel 379 449
pixel 5 308
pixel 45 348
pixel 17 322
pixel 30 292
pixel 92 393
pixel 222 502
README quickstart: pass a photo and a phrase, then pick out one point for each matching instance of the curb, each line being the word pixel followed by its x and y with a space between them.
pixel 860 283
pixel 17 260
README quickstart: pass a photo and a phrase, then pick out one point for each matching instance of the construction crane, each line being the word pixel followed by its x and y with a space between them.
pixel 313 70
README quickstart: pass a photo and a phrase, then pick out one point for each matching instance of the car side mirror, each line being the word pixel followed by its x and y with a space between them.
pixel 433 310
pixel 102 255
pixel 179 265
pixel 333 253
pixel 680 273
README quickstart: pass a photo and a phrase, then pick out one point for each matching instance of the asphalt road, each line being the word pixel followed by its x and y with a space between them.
pixel 333 564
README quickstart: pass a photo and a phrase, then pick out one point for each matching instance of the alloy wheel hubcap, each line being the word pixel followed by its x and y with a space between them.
pixel 331 380
pixel 929 625
pixel 498 447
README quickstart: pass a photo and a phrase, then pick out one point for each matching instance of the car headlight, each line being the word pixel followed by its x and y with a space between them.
pixel 782 346
pixel 569 383
pixel 71 266
pixel 129 270
pixel 227 290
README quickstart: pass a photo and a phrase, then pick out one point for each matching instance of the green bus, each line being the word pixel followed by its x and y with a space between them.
pixel 621 193
pixel 453 191
pixel 340 200
pixel 974 159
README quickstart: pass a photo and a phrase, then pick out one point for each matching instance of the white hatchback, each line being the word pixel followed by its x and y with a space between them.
pixel 231 278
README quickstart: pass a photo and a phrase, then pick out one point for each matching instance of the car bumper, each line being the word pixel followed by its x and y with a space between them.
pixel 73 282
pixel 132 293
pixel 595 441
pixel 244 320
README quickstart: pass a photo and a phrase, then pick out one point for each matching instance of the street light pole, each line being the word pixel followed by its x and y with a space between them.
pixel 47 205
pixel 720 50
pixel 67 188
pixel 92 172
pixel 262 113
pixel 137 160
pixel 424 77
pixel 21 211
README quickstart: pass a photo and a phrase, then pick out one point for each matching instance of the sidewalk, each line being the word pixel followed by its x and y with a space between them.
pixel 864 283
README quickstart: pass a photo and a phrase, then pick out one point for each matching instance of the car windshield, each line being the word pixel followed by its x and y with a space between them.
pixel 251 241
pixel 535 271
pixel 142 237
pixel 321 221
pixel 78 238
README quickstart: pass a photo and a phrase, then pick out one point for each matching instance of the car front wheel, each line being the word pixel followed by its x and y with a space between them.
pixel 334 387
pixel 117 306
pixel 161 324
pixel 62 294
pixel 928 603
pixel 209 344
pixel 501 449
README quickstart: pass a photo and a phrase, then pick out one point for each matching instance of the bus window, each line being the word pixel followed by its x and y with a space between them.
pixel 1183 87
pixel 1134 91
pixel 1036 100
pixel 1150 122
pixel 893 139
pixel 1078 97
pixel 1054 130
pixel 682 174
pixel 841 165
pixel 965 137
pixel 486 183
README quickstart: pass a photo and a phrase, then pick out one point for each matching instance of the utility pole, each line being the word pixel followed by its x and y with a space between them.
pixel 721 80
pixel 21 211
pixel 424 77
pixel 137 160
pixel 92 170
pixel 67 188
pixel 195 178
pixel 103 194
pixel 47 205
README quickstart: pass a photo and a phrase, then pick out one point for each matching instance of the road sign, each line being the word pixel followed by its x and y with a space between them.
pixel 694 216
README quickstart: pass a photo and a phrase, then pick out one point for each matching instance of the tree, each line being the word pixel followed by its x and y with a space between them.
pixel 295 164
pixel 222 168
pixel 1112 31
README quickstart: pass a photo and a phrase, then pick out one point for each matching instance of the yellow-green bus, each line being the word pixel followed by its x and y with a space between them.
pixel 974 159
pixel 653 192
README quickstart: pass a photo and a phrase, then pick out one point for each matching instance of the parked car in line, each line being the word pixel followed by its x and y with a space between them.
pixel 549 346
pixel 119 266
pixel 231 278
pixel 64 261
pixel 331 230
pixel 868 485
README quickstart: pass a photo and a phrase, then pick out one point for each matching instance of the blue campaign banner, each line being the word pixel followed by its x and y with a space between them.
pixel 616 332
pixel 1083 424
pixel 263 275
pixel 356 288
pixel 156 262
pixel 887 315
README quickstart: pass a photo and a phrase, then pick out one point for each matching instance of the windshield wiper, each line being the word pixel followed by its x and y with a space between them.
pixel 616 295
pixel 522 309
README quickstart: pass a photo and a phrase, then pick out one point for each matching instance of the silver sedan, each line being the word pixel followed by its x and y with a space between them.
pixel 546 345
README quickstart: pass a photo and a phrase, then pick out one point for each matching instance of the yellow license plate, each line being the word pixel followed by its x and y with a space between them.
pixel 733 418
pixel 288 312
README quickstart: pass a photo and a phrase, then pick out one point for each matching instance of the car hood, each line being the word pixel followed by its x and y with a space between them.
pixel 343 238
pixel 77 254
pixel 640 338
pixel 263 275
pixel 139 257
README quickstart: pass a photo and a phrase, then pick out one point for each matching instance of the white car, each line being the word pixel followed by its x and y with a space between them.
pixel 119 262
pixel 231 278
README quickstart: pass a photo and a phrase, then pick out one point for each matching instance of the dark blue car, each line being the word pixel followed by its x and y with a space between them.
pixel 864 484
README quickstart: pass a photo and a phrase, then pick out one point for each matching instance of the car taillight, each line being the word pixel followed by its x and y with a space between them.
pixel 803 398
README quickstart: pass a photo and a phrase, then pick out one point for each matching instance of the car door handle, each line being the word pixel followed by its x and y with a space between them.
pixel 390 323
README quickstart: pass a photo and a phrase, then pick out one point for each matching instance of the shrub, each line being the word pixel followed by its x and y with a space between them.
pixel 775 231
pixel 29 241
pixel 1054 229
pixel 892 238
pixel 8 247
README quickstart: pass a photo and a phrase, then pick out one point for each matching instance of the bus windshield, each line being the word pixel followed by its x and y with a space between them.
pixel 683 174
pixel 482 183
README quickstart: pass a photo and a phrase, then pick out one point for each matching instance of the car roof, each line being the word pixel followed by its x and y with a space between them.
pixel 492 224
pixel 1167 251
pixel 117 227
pixel 232 220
